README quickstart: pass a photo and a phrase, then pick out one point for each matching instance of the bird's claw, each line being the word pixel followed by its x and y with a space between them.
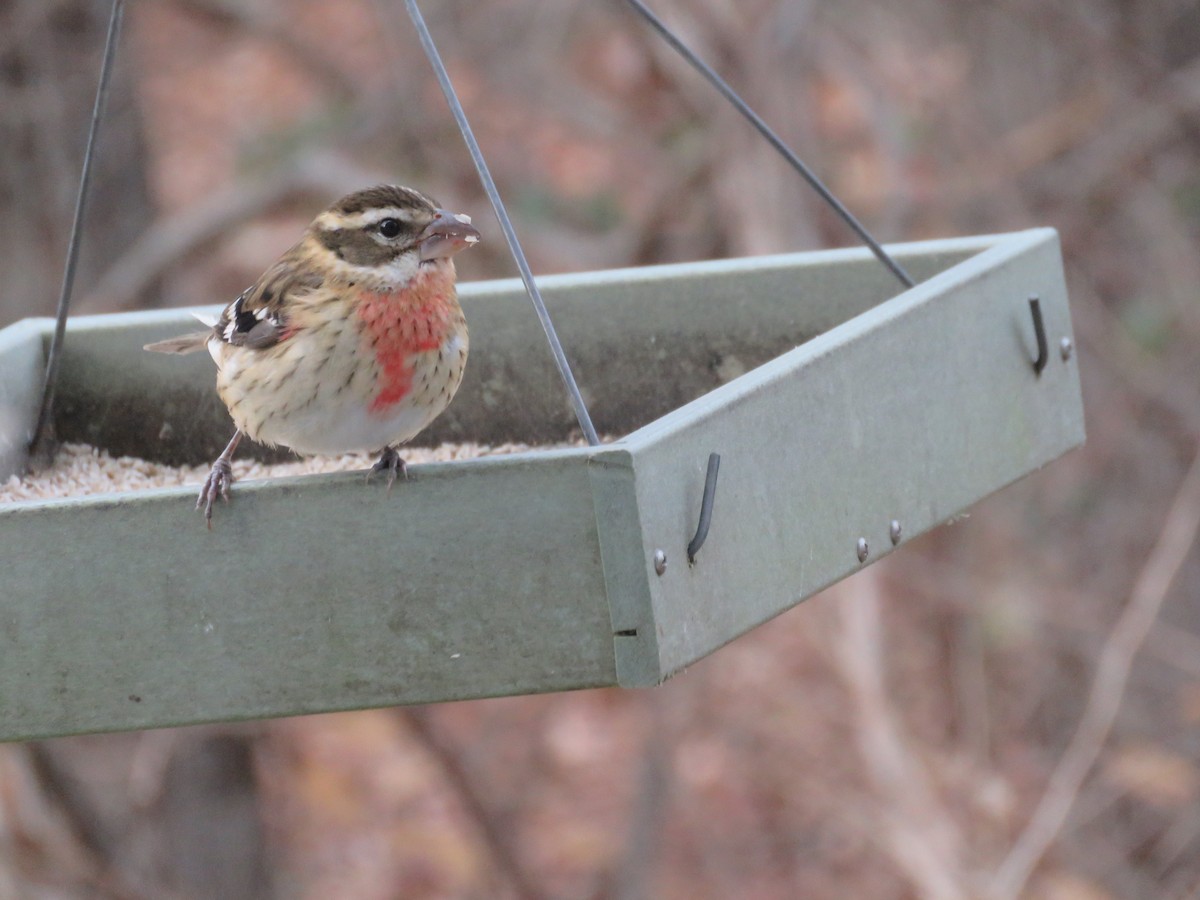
pixel 391 462
pixel 215 485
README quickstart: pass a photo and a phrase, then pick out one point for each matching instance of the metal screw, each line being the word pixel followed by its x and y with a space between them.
pixel 660 562
pixel 1066 348
pixel 895 531
pixel 862 549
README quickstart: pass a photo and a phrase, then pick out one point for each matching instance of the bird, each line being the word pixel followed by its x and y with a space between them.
pixel 352 341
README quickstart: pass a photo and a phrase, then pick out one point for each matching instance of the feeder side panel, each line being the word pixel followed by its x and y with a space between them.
pixel 310 594
pixel 911 412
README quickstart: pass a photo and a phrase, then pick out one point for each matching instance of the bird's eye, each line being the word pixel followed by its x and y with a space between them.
pixel 389 228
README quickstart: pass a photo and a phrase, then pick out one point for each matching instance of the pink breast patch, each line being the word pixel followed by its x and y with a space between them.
pixel 402 325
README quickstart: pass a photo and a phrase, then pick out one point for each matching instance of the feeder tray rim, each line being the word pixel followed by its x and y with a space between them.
pixel 989 248
pixel 998 242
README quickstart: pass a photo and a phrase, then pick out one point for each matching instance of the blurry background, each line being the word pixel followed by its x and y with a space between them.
pixel 892 737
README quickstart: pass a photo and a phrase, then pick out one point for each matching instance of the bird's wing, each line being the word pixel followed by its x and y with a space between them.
pixel 259 317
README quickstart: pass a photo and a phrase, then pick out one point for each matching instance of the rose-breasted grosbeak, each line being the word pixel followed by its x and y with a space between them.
pixel 352 341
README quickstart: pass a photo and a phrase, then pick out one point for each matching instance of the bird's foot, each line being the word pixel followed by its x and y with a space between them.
pixel 389 461
pixel 215 485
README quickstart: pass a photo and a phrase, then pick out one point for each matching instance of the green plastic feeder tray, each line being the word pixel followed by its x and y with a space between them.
pixel 848 419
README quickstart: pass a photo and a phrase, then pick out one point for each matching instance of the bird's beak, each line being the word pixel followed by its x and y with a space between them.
pixel 446 235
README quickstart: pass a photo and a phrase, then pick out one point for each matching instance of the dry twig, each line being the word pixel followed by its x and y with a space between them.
pixel 497 836
pixel 920 836
pixel 648 820
pixel 1108 687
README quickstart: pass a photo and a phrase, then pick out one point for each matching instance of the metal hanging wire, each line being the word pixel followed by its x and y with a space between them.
pixel 514 245
pixel 771 137
pixel 40 447
pixel 510 235
pixel 41 432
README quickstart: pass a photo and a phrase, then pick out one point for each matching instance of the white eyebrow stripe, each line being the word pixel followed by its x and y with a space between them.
pixel 374 216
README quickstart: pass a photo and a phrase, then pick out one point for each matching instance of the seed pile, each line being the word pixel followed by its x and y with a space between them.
pixel 80 470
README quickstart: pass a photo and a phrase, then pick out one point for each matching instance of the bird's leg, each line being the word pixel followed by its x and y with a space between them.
pixel 389 461
pixel 219 479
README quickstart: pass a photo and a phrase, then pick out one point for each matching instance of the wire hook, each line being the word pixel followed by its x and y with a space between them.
pixel 1039 331
pixel 706 505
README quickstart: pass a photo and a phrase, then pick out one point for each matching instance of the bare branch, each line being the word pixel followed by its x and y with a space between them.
pixel 1108 687
pixel 84 848
pixel 499 838
pixel 633 879
pixel 919 835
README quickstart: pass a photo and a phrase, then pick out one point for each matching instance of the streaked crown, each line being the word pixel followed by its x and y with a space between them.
pixel 372 227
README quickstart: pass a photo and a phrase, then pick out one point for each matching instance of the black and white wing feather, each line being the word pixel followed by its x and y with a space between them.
pixel 258 318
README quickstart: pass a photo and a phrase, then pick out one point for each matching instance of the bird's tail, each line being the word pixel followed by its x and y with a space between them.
pixel 186 343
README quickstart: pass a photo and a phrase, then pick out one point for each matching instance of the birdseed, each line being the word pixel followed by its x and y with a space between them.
pixel 81 470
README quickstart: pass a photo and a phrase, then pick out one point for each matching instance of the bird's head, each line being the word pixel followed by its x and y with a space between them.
pixel 386 234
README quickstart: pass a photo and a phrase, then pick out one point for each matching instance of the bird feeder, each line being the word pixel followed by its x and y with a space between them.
pixel 847 419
